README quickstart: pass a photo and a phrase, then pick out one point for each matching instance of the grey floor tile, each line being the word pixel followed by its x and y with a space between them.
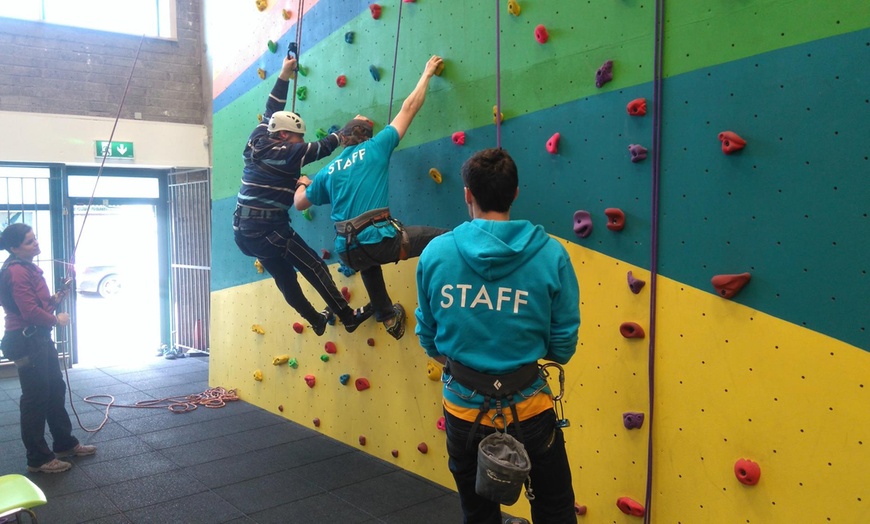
pixel 389 493
pixel 350 468
pixel 237 468
pixel 203 508
pixel 127 468
pixel 77 507
pixel 156 489
pixel 443 509
pixel 268 491
pixel 203 451
pixel 268 436
pixel 324 509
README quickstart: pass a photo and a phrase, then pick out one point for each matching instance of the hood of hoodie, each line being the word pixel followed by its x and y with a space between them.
pixel 494 249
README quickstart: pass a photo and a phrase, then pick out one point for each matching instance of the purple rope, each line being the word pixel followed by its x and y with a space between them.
pixel 654 239
pixel 298 50
pixel 497 115
pixel 395 59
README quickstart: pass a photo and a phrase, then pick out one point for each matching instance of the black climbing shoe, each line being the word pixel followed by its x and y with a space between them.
pixel 397 329
pixel 324 318
pixel 360 315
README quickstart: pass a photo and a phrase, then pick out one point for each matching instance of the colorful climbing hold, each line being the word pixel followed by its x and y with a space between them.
pixel 636 107
pixel 273 46
pixel 348 37
pixel 541 34
pixel 258 375
pixel 423 448
pixel 341 81
pixel 371 342
pixel 333 129
pixel 345 292
pixel 361 384
pixel 320 133
pixel 324 358
pixel 281 408
pixel 731 142
pixel 261 73
pixel 376 74
pixel 344 379
pixel 287 14
pixel 298 327
pixel 435 174
pixel 615 219
pixel 362 440
pixel 280 359
pixel 631 330
pixel 579 510
pixel 293 363
pixel 582 223
pixel 439 69
pixel 729 285
pixel 302 93
pixel 433 370
pixel 258 329
pixel 638 153
pixel 441 424
pixel 635 284
pixel 632 420
pixel 514 7
pixel 499 118
pixel 458 138
pixel 325 254
pixel 747 472
pixel 310 380
pixel 376 11
pixel 307 215
pixel 630 507
pixel 395 453
pixel 346 270
pixel 604 74
pixel 553 144
pixel 302 70
pixel 262 5
pixel 330 348
pixel 258 265
pixel 316 422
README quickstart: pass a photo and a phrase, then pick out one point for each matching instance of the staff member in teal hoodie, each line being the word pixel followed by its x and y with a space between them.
pixel 495 295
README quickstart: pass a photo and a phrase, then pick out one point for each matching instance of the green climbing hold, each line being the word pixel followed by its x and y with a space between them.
pixel 273 46
pixel 320 133
pixel 302 93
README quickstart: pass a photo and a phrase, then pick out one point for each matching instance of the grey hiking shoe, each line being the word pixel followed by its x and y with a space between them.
pixel 397 329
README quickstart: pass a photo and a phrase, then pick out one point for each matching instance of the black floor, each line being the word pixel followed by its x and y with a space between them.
pixel 235 464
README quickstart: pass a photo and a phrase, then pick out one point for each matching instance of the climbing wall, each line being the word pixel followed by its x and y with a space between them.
pixel 774 375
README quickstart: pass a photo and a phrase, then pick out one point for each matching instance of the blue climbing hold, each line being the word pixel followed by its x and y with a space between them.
pixel 333 129
pixel 348 37
pixel 375 73
pixel 344 379
pixel 345 270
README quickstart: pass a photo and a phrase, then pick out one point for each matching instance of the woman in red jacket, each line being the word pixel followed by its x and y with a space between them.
pixel 30 316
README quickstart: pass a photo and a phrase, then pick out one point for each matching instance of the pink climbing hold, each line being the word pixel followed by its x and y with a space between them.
pixel 630 507
pixel 582 223
pixel 747 472
pixel 731 142
pixel 341 81
pixel 362 384
pixel 541 34
pixel 553 144
pixel 631 330
pixel 441 424
pixel 615 219
pixel 310 380
pixel 330 348
pixel 635 284
pixel 637 107
pixel 729 285
pixel 459 138
pixel 376 11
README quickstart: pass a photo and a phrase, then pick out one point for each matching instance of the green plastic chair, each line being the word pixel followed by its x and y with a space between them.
pixel 17 495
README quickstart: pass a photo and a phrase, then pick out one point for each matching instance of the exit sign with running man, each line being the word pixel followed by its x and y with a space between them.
pixel 115 149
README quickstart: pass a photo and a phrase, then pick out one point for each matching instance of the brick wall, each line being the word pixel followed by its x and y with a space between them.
pixel 46 68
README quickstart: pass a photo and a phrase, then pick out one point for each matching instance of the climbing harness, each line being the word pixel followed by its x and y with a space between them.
pixel 380 217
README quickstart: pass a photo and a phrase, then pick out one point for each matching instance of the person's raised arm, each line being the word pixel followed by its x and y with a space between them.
pixel 415 100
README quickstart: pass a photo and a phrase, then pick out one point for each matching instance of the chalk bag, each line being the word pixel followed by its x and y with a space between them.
pixel 502 468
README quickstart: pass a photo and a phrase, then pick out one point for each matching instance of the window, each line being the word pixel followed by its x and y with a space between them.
pixel 154 18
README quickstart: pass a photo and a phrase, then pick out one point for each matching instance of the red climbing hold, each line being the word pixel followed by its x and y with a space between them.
pixel 747 472
pixel 310 380
pixel 395 453
pixel 630 507
pixel 362 384
pixel 731 142
pixel 615 219
pixel 423 448
pixel 325 254
pixel 459 138
pixel 541 34
pixel 371 342
pixel 345 292
pixel 631 330
pixel 376 11
pixel 637 107
pixel 362 440
pixel 341 81
pixel 553 144
pixel 330 348
pixel 316 422
pixel 729 285
pixel 579 510
pixel 298 327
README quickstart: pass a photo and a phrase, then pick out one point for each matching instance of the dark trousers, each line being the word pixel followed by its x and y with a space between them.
pixel 550 475
pixel 282 253
pixel 368 258
pixel 43 391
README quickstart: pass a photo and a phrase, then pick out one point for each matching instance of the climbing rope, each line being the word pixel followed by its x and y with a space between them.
pixel 395 60
pixel 298 41
pixel 654 239
pixel 497 115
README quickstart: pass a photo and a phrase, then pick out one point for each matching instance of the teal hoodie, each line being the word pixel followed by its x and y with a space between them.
pixel 496 295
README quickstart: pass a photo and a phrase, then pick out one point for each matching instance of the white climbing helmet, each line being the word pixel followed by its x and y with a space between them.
pixel 286 121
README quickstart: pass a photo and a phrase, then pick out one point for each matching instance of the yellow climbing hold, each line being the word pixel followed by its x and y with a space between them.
pixel 258 329
pixel 258 375
pixel 262 73
pixel 287 14
pixel 262 5
pixel 433 370
pixel 513 7
pixel 258 265
pixel 436 175
pixel 439 69
pixel 494 113
pixel 280 359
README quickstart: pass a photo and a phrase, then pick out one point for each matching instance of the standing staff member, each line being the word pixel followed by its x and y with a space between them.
pixel 274 156
pixel 29 318
pixel 494 296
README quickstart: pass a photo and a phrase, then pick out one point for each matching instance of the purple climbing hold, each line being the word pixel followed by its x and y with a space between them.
pixel 638 152
pixel 632 420
pixel 635 284
pixel 375 73
pixel 604 74
pixel 582 224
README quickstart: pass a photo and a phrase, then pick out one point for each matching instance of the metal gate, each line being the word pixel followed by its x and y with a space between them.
pixel 190 257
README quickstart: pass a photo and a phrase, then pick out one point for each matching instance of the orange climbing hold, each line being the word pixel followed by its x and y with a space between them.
pixel 731 142
pixel 262 5
pixel 615 219
pixel 631 330
pixel 729 285
pixel 630 507
pixel 261 73
pixel 637 107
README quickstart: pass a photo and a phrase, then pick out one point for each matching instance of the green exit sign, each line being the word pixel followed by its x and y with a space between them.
pixel 114 149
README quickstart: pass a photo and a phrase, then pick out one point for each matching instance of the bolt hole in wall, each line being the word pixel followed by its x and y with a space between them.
pixel 117 300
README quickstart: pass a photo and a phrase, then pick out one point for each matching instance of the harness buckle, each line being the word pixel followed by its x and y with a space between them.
pixel 29 331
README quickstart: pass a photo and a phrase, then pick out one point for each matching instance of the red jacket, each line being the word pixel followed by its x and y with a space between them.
pixel 25 297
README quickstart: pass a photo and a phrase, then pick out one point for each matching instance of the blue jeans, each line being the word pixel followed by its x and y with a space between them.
pixel 42 401
pixel 283 252
pixel 550 475
pixel 368 258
